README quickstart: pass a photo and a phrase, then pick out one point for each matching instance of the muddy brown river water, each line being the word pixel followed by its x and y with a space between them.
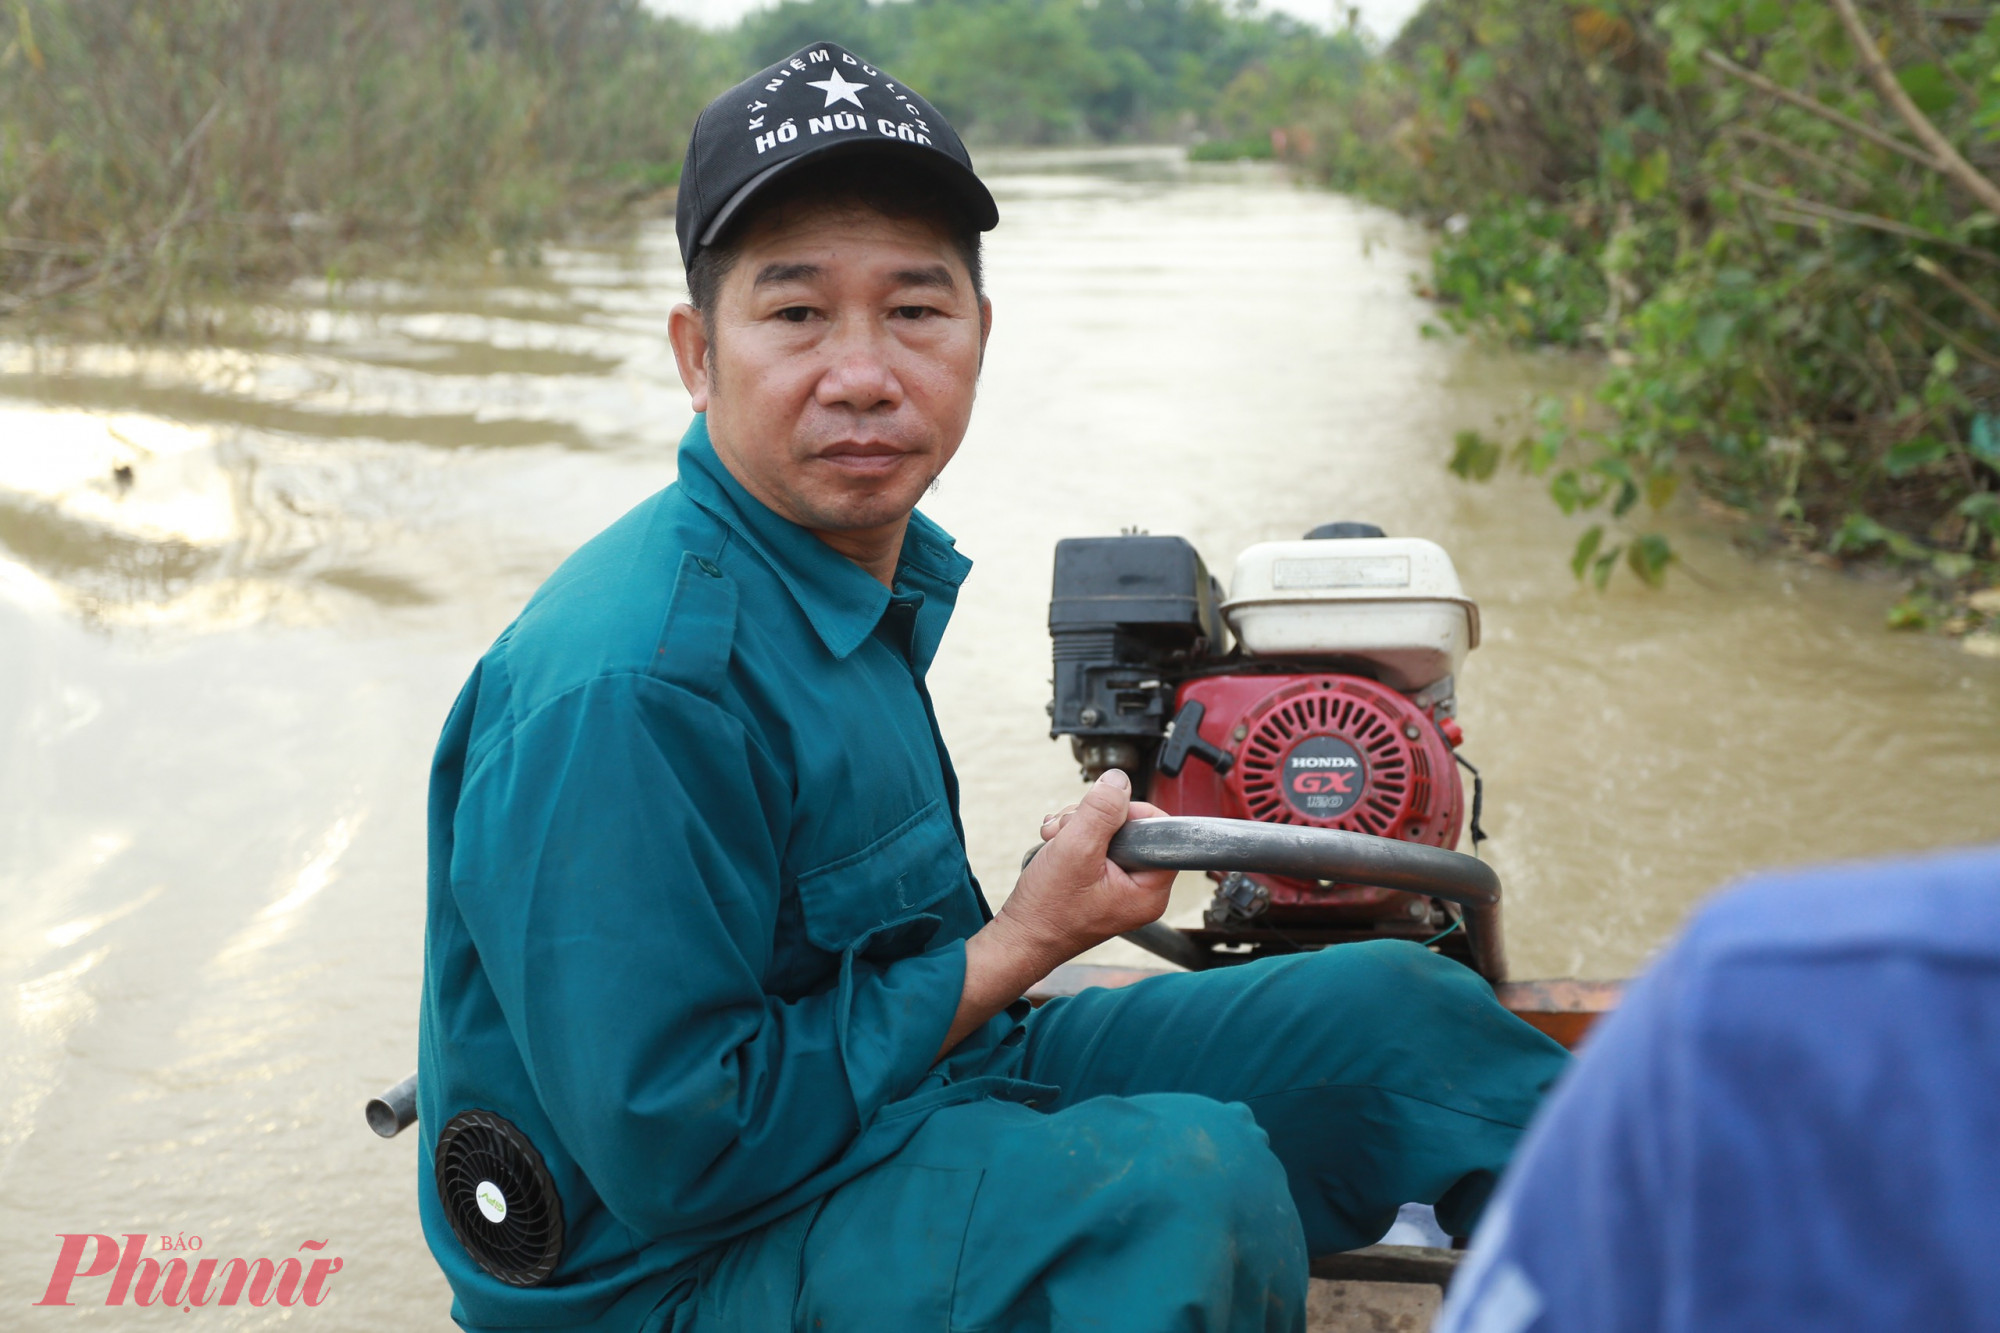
pixel 220 684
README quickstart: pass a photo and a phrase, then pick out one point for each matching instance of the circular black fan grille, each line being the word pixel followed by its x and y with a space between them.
pixel 518 1236
pixel 1349 715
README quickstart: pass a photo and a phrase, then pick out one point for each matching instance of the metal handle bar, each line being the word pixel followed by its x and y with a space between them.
pixel 1185 842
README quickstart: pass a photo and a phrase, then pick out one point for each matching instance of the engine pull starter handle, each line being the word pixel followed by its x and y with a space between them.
pixel 1185 740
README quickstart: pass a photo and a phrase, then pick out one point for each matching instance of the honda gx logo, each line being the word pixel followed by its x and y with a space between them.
pixel 1323 777
pixel 187 1283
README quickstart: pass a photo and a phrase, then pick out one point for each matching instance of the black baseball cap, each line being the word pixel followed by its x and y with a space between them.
pixel 819 102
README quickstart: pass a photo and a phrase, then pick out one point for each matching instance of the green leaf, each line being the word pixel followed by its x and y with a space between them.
pixel 1649 558
pixel 1600 572
pixel 1648 120
pixel 1660 488
pixel 1914 612
pixel 1628 495
pixel 1586 547
pixel 1983 508
pixel 1711 336
pixel 1984 442
pixel 1566 488
pixel 1902 547
pixel 1763 16
pixel 1951 566
pixel 1927 87
pixel 1857 535
pixel 1473 456
pixel 1910 455
pixel 1612 466
pixel 1537 454
pixel 1652 174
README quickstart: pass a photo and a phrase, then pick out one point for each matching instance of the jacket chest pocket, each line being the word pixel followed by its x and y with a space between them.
pixel 882 889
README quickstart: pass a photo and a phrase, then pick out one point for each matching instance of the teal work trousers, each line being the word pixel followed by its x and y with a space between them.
pixel 1213 1130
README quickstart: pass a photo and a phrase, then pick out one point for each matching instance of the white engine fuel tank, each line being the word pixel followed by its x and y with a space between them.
pixel 1393 602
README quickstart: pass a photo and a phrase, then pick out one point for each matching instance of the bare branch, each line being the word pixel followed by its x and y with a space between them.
pixel 1931 268
pixel 1950 163
pixel 1828 213
pixel 1937 326
pixel 194 135
pixel 1804 154
pixel 1821 109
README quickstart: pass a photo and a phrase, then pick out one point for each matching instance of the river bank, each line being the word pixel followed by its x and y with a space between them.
pixel 155 161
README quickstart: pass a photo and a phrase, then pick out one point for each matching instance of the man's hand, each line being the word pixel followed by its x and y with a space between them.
pixel 1069 899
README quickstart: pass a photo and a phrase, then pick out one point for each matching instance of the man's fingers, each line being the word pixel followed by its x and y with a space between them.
pixel 1101 812
pixel 1054 823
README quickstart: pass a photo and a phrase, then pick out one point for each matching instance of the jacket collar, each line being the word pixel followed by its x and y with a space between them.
pixel 842 600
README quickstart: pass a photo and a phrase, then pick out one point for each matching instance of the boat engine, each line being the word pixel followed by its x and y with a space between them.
pixel 1317 692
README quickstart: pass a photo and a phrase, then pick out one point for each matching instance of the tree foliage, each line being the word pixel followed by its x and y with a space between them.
pixel 155 152
pixel 1779 221
pixel 1059 71
pixel 149 151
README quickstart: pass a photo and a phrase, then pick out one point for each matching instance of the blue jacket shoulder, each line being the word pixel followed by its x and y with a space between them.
pixel 1943 904
pixel 617 605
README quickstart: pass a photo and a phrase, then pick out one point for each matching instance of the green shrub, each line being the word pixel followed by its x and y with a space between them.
pixel 152 154
pixel 1523 270
pixel 1799 299
pixel 1249 147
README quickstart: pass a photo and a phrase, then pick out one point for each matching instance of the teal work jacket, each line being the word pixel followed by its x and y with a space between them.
pixel 698 891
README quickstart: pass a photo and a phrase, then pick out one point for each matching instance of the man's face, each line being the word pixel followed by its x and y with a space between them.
pixel 838 366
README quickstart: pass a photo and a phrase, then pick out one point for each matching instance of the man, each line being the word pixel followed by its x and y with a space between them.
pixel 702 929
pixel 1793 1122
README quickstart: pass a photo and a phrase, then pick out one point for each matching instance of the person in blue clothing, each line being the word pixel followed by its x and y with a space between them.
pixel 1792 1123
pixel 701 926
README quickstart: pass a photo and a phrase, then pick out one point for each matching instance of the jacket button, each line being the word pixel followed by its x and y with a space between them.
pixel 707 567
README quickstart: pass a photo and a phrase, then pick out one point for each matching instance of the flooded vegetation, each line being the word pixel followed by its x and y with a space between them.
pixel 1778 224
pixel 155 159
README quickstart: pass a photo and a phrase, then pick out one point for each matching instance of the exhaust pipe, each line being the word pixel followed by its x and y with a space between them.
pixel 395 1110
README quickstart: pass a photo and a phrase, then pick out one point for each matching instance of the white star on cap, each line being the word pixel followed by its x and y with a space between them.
pixel 839 89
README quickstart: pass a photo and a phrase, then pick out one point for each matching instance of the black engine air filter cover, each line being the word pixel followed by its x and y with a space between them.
pixel 499 1197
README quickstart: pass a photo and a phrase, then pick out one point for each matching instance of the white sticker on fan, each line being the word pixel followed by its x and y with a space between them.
pixel 492 1203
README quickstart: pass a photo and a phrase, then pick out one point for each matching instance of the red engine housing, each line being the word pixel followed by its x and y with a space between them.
pixel 1327 751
